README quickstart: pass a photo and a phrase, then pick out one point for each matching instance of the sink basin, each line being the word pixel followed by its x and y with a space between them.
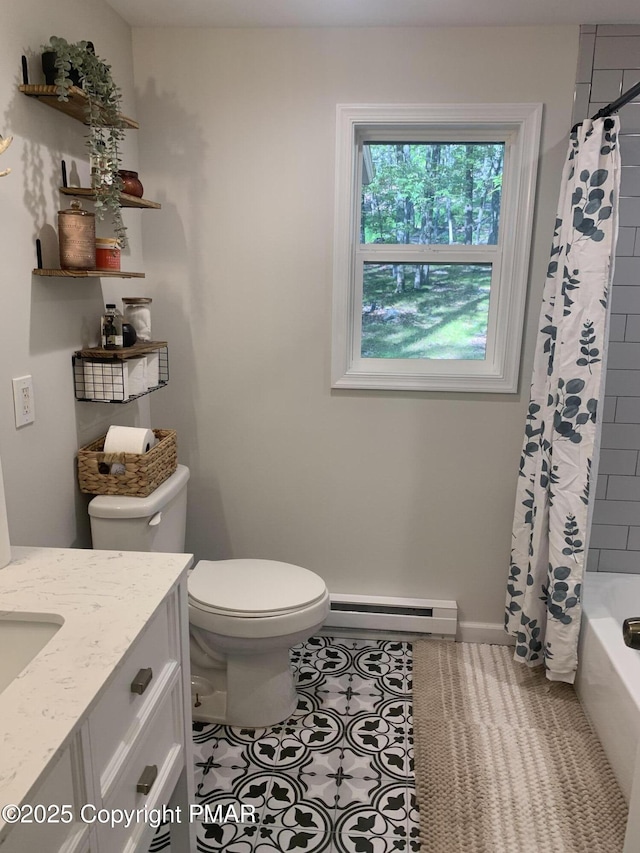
pixel 22 636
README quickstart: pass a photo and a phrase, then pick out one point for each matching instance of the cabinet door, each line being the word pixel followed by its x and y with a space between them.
pixel 50 817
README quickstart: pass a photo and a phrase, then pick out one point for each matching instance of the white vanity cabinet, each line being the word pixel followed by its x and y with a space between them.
pixel 130 750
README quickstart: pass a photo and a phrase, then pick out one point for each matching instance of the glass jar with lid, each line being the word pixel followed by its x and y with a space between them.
pixel 137 312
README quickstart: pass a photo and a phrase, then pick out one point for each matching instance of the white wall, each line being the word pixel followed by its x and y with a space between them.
pixel 46 319
pixel 379 492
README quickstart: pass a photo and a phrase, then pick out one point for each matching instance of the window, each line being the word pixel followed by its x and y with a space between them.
pixel 434 208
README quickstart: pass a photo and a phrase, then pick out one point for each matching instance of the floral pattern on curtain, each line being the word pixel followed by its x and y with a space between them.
pixel 552 513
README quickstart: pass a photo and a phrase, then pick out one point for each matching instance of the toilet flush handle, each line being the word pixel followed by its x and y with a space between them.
pixel 155 519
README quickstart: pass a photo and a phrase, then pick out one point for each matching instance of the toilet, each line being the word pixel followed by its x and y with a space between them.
pixel 244 614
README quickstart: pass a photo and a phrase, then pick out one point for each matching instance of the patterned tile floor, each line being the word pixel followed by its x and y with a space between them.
pixel 336 777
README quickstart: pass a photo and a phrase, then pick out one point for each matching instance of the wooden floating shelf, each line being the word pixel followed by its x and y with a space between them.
pixel 88 273
pixel 126 200
pixel 124 353
pixel 76 105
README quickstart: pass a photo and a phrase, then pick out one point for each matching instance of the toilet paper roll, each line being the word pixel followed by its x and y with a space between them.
pixel 153 370
pixel 120 439
pixel 103 381
pixel 137 373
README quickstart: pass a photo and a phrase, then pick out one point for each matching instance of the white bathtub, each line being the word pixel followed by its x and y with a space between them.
pixel 608 678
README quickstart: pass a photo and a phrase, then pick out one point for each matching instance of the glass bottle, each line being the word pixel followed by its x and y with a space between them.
pixel 112 328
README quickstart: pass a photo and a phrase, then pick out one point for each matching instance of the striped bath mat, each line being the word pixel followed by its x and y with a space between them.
pixel 505 760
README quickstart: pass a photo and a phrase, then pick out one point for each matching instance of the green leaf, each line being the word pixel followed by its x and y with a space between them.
pixel 574 386
pixel 599 177
pixel 561 573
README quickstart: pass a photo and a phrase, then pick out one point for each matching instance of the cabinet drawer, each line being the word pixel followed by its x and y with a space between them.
pixel 161 746
pixel 115 722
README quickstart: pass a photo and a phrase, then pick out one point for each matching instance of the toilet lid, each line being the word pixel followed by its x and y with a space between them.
pixel 253 587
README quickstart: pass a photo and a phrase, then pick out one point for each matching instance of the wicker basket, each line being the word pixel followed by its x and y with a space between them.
pixel 144 472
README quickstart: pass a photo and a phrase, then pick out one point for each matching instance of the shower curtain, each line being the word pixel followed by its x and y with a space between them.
pixel 559 454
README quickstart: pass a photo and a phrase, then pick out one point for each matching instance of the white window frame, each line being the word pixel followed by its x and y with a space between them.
pixel 518 125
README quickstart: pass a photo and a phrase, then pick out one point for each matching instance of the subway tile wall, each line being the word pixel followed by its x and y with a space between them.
pixel 609 64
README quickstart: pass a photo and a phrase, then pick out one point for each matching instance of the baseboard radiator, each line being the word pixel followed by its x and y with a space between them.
pixel 367 615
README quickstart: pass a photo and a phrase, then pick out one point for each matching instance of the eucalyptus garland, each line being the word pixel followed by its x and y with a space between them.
pixel 106 128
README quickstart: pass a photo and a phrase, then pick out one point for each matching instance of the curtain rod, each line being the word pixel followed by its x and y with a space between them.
pixel 614 106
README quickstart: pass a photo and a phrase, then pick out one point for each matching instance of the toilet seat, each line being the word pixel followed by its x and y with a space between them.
pixel 255 599
pixel 252 589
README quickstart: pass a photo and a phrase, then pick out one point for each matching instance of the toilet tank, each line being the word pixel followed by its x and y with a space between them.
pixel 154 523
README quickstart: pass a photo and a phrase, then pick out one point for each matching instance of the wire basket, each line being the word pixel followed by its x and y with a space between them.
pixel 118 376
pixel 143 472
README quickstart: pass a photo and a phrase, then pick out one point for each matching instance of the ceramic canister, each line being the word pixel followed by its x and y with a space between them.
pixel 77 238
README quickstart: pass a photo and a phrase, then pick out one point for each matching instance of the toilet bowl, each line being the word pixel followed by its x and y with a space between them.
pixel 244 614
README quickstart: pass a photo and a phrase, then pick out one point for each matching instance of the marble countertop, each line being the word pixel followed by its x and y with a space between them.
pixel 105 598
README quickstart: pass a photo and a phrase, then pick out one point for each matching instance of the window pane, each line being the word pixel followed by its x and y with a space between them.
pixel 425 310
pixel 437 192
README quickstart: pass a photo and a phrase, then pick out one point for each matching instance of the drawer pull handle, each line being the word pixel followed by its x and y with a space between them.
pixel 142 681
pixel 145 782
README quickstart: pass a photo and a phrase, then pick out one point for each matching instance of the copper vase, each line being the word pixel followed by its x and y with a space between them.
pixel 131 183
